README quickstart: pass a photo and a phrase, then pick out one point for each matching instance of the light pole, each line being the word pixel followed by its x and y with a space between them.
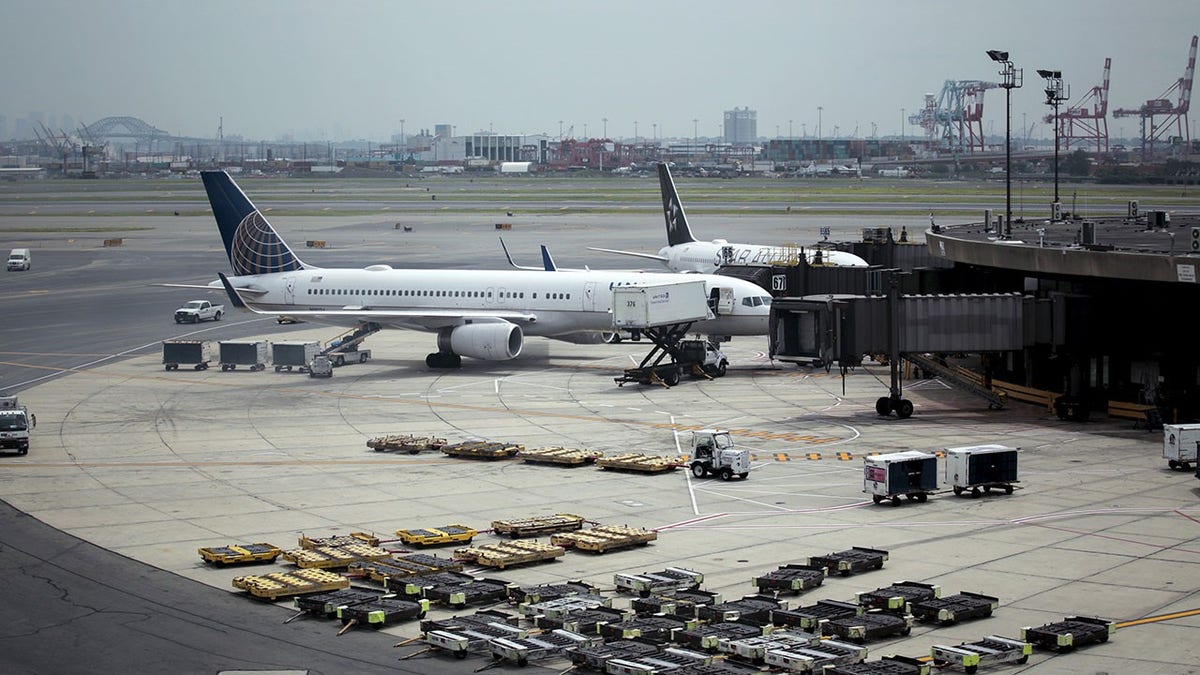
pixel 1054 96
pixel 789 128
pixel 902 125
pixel 1012 80
pixel 635 133
pixel 605 121
pixel 695 135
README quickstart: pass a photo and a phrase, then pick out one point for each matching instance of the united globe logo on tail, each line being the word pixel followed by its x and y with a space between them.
pixel 258 249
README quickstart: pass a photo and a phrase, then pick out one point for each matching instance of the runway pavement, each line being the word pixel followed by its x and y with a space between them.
pixel 148 465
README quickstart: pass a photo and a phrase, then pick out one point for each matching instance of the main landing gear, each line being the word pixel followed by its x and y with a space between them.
pixel 886 405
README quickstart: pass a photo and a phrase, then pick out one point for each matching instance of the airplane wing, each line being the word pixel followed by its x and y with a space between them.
pixel 647 256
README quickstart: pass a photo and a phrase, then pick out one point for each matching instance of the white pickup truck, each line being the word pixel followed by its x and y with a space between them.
pixel 199 310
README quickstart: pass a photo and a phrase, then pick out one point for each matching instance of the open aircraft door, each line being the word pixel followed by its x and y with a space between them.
pixel 720 301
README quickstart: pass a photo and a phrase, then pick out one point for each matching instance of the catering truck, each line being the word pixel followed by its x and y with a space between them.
pixel 15 424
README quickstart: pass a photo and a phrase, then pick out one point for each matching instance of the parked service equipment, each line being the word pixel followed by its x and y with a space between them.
pixel 988 651
pixel 684 604
pixel 382 611
pixel 870 625
pixel 507 554
pixel 983 466
pixel 240 554
pixel 816 658
pixel 603 538
pixel 851 561
pixel 560 455
pixel 1180 442
pixel 896 598
pixel 709 636
pixel 812 617
pixel 405 443
pixel 597 657
pixel 196 311
pixel 752 609
pixel 195 352
pixel 15 424
pixel 791 578
pixel 320 366
pixel 437 536
pixel 20 260
pixel 286 584
pixel 669 660
pixel 327 604
pixel 910 474
pixel 669 579
pixel 888 665
pixel 713 453
pixel 1071 632
pixel 754 649
pixel 639 462
pixel 523 650
pixel 518 594
pixel 236 353
pixel 293 354
pixel 533 526
pixel 954 608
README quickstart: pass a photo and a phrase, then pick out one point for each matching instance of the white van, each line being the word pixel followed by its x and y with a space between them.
pixel 19 260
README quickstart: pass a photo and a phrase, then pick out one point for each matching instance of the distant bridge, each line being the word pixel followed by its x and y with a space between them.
pixel 124 127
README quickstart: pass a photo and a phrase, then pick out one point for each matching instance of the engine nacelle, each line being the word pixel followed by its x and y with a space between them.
pixel 493 341
pixel 593 338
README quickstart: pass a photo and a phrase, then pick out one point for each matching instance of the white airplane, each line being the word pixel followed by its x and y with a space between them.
pixel 683 253
pixel 482 314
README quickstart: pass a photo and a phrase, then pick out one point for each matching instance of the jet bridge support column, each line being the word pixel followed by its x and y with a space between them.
pixel 894 402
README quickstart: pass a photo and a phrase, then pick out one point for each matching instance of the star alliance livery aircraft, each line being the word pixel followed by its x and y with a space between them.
pixel 683 253
pixel 482 314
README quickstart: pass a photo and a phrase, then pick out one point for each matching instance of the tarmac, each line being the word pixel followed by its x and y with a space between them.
pixel 151 465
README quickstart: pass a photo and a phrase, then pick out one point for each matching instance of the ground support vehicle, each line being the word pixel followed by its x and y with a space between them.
pixel 15 424
pixel 638 462
pixel 663 314
pixel 669 579
pixel 522 651
pixel 461 635
pixel 518 594
pixel 320 366
pixel 851 561
pixel 812 617
pixel 507 554
pixel 475 592
pixel 326 604
pixel 604 538
pixel 438 536
pixel 240 554
pixel 1180 443
pixel 713 453
pixel 670 659
pixel 596 657
pixel 816 658
pixel 415 586
pixel 685 604
pixel 346 348
pixel 196 352
pixel 954 608
pixel 981 467
pixel 406 443
pixel 709 636
pixel 560 608
pixel 898 596
pixel 395 570
pixel 483 450
pixel 286 584
pixel 236 353
pixel 560 455
pixel 793 579
pixel 910 474
pixel 199 310
pixel 535 525
pixel 653 628
pixel 870 625
pixel 382 611
pixel 339 540
pixel 755 609
pixel 888 665
pixel 673 357
pixel 1071 632
pixel 334 557
pixel 989 651
pixel 585 621
pixel 19 260
pixel 754 649
pixel 294 354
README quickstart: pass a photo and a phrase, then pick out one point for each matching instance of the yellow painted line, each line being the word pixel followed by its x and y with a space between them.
pixel 1156 619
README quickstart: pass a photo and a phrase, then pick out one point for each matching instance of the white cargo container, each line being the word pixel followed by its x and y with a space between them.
pixel 637 307
pixel 983 467
pixel 1179 445
pixel 911 474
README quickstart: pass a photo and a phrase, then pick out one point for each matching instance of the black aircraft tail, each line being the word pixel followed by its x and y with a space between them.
pixel 678 231
pixel 253 246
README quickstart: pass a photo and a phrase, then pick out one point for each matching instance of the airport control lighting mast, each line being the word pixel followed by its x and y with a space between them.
pixel 1055 96
pixel 1012 80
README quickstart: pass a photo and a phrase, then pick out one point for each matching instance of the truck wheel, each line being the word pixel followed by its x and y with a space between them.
pixel 178 320
pixel 339 361
pixel 877 499
pixel 921 497
pixel 726 473
pixel 721 369
pixel 743 477
pixel 362 358
pixel 1172 464
pixel 217 316
pixel 957 491
pixel 671 376
pixel 23 451
pixel 698 470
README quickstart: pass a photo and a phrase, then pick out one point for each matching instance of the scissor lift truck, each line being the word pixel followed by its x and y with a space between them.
pixel 989 651
pixel 664 314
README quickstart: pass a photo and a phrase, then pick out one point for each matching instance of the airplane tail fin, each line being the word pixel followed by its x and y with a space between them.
pixel 678 231
pixel 253 246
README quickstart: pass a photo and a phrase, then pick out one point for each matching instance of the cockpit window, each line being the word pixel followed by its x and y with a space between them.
pixel 757 301
pixel 766 300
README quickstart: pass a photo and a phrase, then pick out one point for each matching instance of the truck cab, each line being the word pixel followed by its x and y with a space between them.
pixel 713 452
pixel 19 260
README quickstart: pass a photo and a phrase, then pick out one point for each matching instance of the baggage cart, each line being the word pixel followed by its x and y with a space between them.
pixel 559 608
pixel 522 651
pixel 812 617
pixel 754 649
pixel 438 536
pixel 519 528
pixel 240 554
pixel 954 608
pixel 684 604
pixel 293 354
pixel 1071 632
pixel 1180 442
pixel 461 635
pixel 910 475
pixel 286 584
pixel 198 353
pixel 983 468
pixel 518 594
pixel 479 591
pixel 816 658
pixel 753 609
pixel 793 579
pixel 560 455
pixel 604 538
pixel 653 628
pixel 708 637
pixel 595 657
pixel 326 604
pixel 888 665
pixel 585 621
pixel 638 462
pixel 671 660
pixel 339 540
pixel 896 598
pixel 851 561
pixel 669 579
pixel 234 353
pixel 870 625
pixel 508 554
pixel 382 611
pixel 333 557
pixel 406 443
pixel 415 586
pixel 989 651
pixel 483 450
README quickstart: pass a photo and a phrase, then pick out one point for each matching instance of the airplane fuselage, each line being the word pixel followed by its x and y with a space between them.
pixel 706 257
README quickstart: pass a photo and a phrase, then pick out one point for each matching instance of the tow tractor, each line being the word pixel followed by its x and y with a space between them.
pixel 713 453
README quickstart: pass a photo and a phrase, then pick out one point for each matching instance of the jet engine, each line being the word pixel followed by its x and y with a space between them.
pixel 493 341
pixel 592 338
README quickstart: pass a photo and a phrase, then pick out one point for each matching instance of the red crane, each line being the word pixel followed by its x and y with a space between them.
pixel 1171 114
pixel 1087 118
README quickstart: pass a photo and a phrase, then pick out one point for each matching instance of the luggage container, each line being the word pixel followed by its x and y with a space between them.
pixel 982 467
pixel 195 352
pixel 910 474
pixel 294 354
pixel 1179 445
pixel 234 353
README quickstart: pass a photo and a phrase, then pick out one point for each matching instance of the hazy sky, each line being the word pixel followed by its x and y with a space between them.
pixel 353 69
